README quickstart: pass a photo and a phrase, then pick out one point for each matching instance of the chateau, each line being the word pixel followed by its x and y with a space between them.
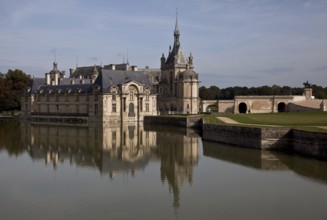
pixel 115 93
pixel 111 95
pixel 178 90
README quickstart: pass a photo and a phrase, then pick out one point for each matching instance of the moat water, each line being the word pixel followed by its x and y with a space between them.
pixel 149 172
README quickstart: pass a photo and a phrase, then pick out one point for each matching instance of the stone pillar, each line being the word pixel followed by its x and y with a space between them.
pixel 308 93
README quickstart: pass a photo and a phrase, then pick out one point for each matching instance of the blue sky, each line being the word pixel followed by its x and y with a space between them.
pixel 233 42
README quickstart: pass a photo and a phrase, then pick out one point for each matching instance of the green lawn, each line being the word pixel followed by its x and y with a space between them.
pixel 283 119
pixel 304 121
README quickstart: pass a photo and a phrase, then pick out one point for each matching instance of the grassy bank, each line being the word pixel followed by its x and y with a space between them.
pixel 312 121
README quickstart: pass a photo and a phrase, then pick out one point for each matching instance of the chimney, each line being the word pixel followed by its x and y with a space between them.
pixel 47 79
pixel 71 72
pixel 134 68
pixel 56 75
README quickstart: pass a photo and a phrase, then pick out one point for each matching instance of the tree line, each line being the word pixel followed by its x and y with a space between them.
pixel 214 92
pixel 13 82
pixel 12 85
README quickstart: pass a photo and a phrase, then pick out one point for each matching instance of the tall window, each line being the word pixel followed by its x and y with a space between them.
pixel 96 109
pixel 141 104
pixel 131 112
pixel 113 97
pixel 114 108
pixel 171 81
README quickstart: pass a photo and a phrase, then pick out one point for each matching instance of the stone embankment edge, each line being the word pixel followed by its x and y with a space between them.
pixel 311 144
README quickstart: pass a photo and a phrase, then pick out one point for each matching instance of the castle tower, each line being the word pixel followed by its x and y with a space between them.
pixel 179 86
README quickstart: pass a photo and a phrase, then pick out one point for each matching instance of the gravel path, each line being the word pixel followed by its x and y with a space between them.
pixel 231 121
pixel 228 120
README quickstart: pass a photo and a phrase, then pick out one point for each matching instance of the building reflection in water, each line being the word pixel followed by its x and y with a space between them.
pixel 127 149
pixel 178 159
pixel 109 149
pixel 117 149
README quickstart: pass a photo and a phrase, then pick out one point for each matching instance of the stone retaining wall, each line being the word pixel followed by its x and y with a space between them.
pixel 310 143
pixel 187 122
pixel 260 138
pixel 306 143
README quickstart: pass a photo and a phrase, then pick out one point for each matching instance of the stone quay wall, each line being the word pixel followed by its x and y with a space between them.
pixel 250 137
pixel 306 143
pixel 186 122
pixel 310 143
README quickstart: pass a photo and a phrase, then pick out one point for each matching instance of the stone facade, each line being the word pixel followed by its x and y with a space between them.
pixel 267 104
pixel 178 89
pixel 103 95
pixel 116 92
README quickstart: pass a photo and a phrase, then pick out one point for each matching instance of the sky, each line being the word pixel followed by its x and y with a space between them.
pixel 233 42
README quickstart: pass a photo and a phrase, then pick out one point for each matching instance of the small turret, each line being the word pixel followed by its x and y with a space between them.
pixel 163 60
pixel 190 60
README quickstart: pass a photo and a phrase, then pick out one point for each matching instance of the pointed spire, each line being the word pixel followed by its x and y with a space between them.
pixel 55 66
pixel 176 32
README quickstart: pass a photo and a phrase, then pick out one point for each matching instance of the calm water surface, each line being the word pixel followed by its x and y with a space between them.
pixel 149 172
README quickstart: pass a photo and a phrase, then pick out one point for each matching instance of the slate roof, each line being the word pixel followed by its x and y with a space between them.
pixel 85 71
pixel 105 80
pixel 38 84
pixel 35 84
pixel 108 78
pixel 61 89
pixel 176 51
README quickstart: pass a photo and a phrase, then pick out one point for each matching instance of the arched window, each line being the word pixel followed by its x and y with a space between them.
pixel 131 112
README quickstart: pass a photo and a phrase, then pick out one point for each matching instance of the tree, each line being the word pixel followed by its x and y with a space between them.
pixel 12 86
pixel 211 93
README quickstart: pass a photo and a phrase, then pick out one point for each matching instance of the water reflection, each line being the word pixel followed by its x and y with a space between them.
pixel 111 150
pixel 268 160
pixel 116 150
pixel 178 157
